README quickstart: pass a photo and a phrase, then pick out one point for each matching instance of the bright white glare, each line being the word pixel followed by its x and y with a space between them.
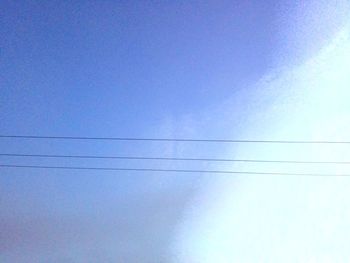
pixel 284 219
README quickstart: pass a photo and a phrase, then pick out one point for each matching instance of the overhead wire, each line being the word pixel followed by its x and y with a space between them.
pixel 171 158
pixel 173 139
pixel 167 170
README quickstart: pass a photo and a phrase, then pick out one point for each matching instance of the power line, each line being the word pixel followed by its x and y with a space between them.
pixel 172 139
pixel 169 158
pixel 166 170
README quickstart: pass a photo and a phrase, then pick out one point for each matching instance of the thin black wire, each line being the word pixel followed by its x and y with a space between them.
pixel 169 158
pixel 171 140
pixel 167 170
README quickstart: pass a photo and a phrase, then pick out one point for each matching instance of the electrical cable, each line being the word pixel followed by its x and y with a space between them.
pixel 168 170
pixel 173 140
pixel 170 158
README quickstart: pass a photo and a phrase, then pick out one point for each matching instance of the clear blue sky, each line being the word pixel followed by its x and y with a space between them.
pixel 133 69
pixel 109 67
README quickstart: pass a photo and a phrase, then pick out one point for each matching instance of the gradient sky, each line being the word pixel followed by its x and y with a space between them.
pixel 200 69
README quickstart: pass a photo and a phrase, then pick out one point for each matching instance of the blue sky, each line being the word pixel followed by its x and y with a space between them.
pixel 137 61
pixel 203 69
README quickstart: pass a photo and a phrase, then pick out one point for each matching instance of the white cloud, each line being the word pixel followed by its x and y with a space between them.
pixel 282 219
